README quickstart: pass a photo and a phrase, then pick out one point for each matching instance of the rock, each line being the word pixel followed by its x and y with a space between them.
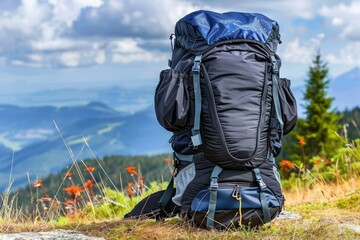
pixel 353 227
pixel 56 234
pixel 289 215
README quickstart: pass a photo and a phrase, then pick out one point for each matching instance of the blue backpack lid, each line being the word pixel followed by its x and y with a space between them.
pixel 215 27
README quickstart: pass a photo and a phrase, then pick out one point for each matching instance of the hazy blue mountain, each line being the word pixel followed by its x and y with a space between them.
pixel 106 135
pixel 344 88
pixel 21 126
pixel 121 99
pixel 4 150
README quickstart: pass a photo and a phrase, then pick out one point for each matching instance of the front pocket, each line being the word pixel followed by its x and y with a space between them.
pixel 172 100
pixel 250 198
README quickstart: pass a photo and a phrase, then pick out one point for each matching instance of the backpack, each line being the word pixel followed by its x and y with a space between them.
pixel 227 107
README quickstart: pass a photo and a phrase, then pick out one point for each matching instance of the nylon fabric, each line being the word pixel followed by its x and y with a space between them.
pixel 236 104
pixel 215 27
pixel 250 198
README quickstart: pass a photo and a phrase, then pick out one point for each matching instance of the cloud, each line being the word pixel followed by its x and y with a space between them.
pixel 349 55
pixel 140 19
pixel 344 16
pixel 72 34
pixel 297 51
pixel 67 33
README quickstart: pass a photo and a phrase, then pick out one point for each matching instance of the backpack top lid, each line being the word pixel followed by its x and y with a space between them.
pixel 212 27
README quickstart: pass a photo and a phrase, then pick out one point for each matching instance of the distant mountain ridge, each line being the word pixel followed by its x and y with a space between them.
pixel 105 130
pixel 21 126
pixel 126 100
pixel 344 88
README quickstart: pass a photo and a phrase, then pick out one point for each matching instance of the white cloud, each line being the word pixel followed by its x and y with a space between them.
pixel 58 44
pixel 48 38
pixel 100 57
pixel 296 51
pixel 70 59
pixel 127 50
pixel 349 55
pixel 345 16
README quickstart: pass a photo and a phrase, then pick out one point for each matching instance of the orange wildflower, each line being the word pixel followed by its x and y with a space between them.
pixel 46 198
pixel 316 162
pixel 89 184
pixel 167 160
pixel 89 169
pixel 286 165
pixel 302 141
pixel 131 170
pixel 130 189
pixel 141 184
pixel 74 191
pixel 69 175
pixel 37 183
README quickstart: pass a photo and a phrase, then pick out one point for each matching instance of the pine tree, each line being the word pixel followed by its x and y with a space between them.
pixel 321 123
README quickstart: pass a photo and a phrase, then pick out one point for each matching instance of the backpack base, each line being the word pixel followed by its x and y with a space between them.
pixel 224 219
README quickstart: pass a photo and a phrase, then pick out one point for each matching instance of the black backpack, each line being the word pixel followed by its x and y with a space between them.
pixel 227 107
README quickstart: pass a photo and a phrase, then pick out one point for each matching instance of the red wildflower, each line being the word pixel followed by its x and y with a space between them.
pixel 89 184
pixel 89 169
pixel 131 170
pixel 286 165
pixel 302 141
pixel 130 189
pixel 74 191
pixel 37 183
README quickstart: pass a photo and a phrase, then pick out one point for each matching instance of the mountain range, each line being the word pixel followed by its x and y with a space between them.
pixel 49 138
pixel 344 89
pixel 41 132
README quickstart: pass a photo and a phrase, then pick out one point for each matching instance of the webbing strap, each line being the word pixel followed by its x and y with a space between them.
pixel 275 88
pixel 196 137
pixel 213 196
pixel 166 197
pixel 183 157
pixel 264 204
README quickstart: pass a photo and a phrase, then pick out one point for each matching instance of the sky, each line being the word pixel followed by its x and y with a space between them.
pixel 54 44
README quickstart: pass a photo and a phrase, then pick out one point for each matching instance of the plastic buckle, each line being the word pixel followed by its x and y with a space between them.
pixel 261 184
pixel 214 184
pixel 196 140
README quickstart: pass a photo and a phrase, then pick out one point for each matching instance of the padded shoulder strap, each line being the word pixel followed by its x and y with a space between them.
pixel 196 137
pixel 275 90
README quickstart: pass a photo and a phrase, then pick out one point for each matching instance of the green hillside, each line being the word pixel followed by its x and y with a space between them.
pixel 108 171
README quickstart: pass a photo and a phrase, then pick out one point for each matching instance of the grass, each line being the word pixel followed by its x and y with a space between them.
pixel 323 209
pixel 325 206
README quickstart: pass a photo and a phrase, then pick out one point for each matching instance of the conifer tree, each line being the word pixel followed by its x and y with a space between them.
pixel 321 122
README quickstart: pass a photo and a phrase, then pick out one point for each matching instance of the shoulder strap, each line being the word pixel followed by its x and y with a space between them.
pixel 196 137
pixel 275 90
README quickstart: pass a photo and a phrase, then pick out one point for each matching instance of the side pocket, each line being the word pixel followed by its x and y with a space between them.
pixel 184 177
pixel 288 105
pixel 172 100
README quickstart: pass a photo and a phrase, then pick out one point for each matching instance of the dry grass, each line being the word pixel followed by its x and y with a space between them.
pixel 322 192
pixel 323 208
